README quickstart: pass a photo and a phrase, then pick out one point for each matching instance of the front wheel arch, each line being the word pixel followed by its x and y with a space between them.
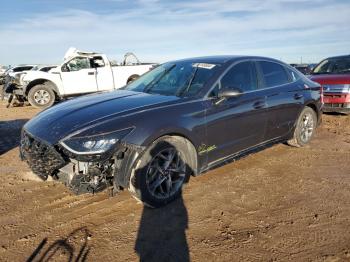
pixel 190 145
pixel 314 107
pixel 40 82
pixel 138 174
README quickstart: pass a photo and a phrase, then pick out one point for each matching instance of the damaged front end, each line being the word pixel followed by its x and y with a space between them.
pixel 81 172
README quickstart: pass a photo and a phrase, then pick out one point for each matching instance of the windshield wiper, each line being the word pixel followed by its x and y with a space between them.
pixel 186 88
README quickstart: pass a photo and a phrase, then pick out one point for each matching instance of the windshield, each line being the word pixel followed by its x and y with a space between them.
pixel 175 79
pixel 333 66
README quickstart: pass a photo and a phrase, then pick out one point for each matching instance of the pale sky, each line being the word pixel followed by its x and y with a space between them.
pixel 40 31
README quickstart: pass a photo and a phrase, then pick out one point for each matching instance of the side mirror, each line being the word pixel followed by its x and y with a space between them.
pixel 227 93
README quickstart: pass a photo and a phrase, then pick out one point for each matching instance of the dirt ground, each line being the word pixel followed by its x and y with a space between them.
pixel 279 204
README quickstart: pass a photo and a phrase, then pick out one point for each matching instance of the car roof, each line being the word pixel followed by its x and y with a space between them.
pixel 222 59
pixel 340 56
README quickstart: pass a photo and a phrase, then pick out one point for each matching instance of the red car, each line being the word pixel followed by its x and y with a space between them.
pixel 334 75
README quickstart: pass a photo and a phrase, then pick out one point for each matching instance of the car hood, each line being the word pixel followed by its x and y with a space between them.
pixel 55 123
pixel 335 79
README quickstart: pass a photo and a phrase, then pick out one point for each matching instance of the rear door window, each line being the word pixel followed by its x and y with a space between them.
pixel 96 62
pixel 241 76
pixel 273 74
pixel 294 76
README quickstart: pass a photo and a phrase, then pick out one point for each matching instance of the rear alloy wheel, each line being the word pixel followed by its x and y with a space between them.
pixel 161 172
pixel 305 128
pixel 41 96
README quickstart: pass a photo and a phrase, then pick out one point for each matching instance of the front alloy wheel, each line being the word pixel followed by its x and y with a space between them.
pixel 41 96
pixel 166 173
pixel 159 175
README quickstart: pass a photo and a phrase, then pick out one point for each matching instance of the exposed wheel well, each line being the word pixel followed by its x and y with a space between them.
pixel 191 149
pixel 39 82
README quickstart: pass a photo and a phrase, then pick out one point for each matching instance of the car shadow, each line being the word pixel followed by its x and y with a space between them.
pixel 162 231
pixel 10 133
pixel 74 247
pixel 335 113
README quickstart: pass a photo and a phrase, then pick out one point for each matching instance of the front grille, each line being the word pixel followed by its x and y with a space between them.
pixel 43 159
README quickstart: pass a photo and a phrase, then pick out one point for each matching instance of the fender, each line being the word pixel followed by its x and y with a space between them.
pixel 40 81
pixel 38 77
pixel 183 133
pixel 313 104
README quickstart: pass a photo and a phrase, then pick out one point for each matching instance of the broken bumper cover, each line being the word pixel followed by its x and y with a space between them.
pixel 82 174
pixel 42 158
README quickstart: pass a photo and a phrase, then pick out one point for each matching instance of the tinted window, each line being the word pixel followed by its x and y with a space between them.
pixel 241 76
pixel 181 79
pixel 97 61
pixel 273 73
pixel 294 76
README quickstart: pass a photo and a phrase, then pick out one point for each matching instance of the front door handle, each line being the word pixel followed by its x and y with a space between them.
pixel 298 96
pixel 259 104
pixel 91 73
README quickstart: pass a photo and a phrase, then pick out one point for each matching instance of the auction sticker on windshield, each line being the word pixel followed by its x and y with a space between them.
pixel 204 65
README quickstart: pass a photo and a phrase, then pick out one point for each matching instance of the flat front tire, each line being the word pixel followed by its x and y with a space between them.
pixel 157 178
pixel 41 96
pixel 305 128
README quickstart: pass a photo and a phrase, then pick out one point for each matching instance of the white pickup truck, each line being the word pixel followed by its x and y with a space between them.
pixel 80 73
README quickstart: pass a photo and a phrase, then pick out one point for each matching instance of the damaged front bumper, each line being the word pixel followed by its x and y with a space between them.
pixel 82 174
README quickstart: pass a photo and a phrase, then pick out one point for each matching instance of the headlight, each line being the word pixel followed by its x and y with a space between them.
pixel 94 144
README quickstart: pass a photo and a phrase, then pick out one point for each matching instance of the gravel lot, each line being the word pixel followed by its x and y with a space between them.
pixel 281 204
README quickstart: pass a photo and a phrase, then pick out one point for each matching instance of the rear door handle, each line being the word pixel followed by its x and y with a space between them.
pixel 298 96
pixel 91 73
pixel 259 104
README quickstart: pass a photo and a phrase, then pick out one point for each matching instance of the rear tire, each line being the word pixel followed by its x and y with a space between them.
pixel 41 96
pixel 158 176
pixel 305 128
